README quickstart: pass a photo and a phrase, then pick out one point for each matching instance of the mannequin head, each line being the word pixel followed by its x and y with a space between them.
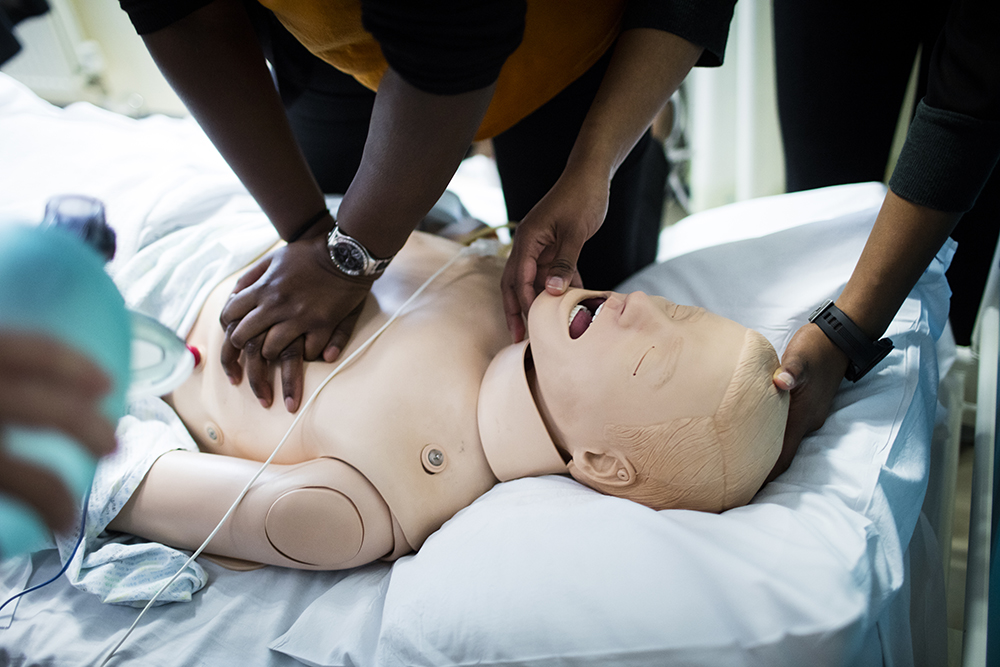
pixel 667 405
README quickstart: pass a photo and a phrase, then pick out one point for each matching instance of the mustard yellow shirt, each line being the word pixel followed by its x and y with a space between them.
pixel 562 40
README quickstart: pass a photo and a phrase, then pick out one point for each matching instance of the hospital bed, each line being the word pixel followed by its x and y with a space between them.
pixel 834 563
pixel 981 640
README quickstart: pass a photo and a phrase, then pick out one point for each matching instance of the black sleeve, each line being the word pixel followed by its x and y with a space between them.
pixel 953 143
pixel 151 15
pixel 9 46
pixel 701 22
pixel 446 47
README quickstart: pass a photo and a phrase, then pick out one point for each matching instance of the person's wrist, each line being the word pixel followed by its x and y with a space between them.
pixel 812 357
pixel 316 226
pixel 320 252
pixel 827 352
pixel 862 351
pixel 587 166
pixel 352 257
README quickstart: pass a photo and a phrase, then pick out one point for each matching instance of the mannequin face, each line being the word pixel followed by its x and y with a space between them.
pixel 643 360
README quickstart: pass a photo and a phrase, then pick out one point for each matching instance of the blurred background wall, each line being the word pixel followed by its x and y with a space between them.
pixel 726 144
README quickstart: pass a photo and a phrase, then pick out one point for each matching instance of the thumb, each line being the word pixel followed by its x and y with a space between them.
pixel 790 373
pixel 253 274
pixel 784 379
pixel 560 271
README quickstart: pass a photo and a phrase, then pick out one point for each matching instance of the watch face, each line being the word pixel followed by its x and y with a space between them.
pixel 350 258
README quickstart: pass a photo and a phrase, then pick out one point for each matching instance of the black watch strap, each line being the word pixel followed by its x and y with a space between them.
pixel 863 353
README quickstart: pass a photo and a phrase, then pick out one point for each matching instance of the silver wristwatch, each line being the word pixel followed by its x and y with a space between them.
pixel 351 257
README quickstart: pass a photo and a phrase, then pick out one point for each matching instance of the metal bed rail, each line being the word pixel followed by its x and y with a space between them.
pixel 980 646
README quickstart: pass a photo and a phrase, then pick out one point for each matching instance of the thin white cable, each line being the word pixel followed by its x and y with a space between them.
pixel 284 438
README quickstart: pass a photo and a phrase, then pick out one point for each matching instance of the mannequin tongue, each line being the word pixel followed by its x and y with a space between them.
pixel 581 320
pixel 582 316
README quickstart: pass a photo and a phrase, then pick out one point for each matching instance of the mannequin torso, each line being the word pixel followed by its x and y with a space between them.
pixel 416 387
pixel 633 395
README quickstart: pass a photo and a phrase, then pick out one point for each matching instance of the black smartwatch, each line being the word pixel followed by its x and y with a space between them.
pixel 351 257
pixel 863 354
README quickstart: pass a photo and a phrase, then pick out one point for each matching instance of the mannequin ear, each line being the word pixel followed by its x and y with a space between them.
pixel 607 469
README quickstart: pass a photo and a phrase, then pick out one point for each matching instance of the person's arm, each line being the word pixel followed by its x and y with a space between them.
pixel 902 243
pixel 444 59
pixel 212 60
pixel 646 68
pixel 951 148
pixel 415 143
pixel 295 303
pixel 44 384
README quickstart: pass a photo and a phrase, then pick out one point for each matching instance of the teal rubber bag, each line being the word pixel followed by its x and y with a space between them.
pixel 53 284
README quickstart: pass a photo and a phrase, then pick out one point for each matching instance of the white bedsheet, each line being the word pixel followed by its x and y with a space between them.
pixel 539 571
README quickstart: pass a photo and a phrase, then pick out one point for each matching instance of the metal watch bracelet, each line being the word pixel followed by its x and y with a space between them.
pixel 351 257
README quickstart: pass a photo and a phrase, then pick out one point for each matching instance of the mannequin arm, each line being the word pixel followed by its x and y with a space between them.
pixel 646 68
pixel 317 515
pixel 902 243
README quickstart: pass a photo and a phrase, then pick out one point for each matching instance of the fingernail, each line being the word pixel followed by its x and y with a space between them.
pixel 290 404
pixel 265 403
pixel 557 283
pixel 786 378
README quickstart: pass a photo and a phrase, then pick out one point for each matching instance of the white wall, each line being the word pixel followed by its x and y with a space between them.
pixel 88 50
pixel 130 70
pixel 736 150
pixel 733 133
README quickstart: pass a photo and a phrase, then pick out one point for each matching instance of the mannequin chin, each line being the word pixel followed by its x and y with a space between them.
pixel 440 407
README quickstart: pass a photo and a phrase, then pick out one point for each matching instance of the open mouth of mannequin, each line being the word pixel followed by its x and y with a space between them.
pixel 583 314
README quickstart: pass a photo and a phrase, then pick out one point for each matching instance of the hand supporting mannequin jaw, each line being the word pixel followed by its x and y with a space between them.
pixel 666 405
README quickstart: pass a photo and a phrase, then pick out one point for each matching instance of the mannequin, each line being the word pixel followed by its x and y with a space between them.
pixel 639 401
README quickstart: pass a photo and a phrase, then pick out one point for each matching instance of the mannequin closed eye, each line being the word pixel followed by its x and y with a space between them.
pixel 581 317
pixel 692 313
pixel 659 362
